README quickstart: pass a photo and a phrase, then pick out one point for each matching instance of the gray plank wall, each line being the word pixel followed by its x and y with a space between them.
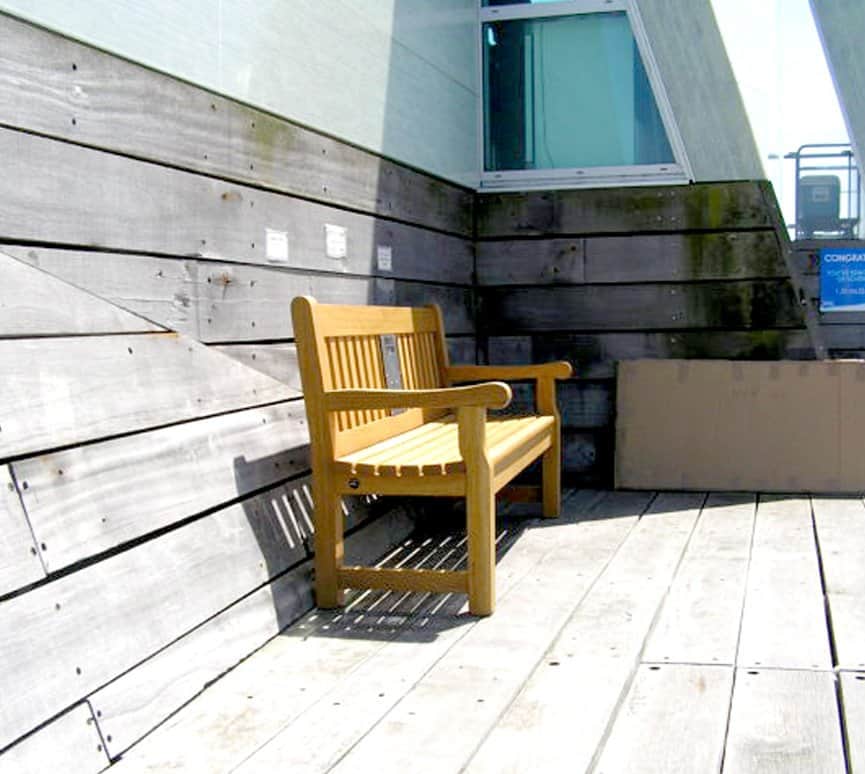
pixel 599 276
pixel 155 510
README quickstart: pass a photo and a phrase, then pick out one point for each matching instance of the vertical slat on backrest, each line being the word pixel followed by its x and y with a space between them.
pixel 350 354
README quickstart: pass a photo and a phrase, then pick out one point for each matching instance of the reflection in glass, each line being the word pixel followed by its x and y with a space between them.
pixel 568 91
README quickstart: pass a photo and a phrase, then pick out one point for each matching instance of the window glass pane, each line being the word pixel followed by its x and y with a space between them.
pixel 568 91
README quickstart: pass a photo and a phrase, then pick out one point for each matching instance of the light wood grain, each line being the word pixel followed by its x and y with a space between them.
pixel 673 721
pixel 88 499
pixel 586 668
pixel 840 535
pixel 132 705
pixel 699 622
pixel 853 705
pixel 124 107
pixel 69 743
pixel 129 383
pixel 19 558
pixel 102 620
pixel 784 721
pixel 784 621
pixel 33 303
pixel 136 207
pixel 623 210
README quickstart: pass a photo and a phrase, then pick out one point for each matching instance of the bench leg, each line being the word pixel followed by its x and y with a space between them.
pixel 480 510
pixel 551 470
pixel 328 545
pixel 481 527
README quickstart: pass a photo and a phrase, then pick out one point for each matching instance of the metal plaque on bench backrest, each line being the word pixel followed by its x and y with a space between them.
pixel 392 370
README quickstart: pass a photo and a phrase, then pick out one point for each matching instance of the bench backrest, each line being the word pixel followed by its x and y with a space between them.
pixel 350 347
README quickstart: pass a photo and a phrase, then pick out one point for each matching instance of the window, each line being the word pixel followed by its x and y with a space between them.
pixel 567 99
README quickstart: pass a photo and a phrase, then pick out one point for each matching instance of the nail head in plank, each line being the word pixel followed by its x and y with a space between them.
pixel 19 557
pixel 68 743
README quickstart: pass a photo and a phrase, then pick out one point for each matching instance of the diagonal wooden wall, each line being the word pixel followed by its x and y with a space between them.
pixel 155 514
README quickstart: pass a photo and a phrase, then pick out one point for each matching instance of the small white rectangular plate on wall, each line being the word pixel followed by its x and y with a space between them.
pixel 335 241
pixel 276 245
pixel 384 257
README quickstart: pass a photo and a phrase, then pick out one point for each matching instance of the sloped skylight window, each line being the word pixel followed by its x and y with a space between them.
pixel 568 99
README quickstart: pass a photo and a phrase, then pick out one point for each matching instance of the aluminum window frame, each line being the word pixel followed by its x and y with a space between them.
pixel 679 172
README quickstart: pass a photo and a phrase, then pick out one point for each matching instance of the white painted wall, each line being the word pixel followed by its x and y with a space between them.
pixel 395 76
pixel 842 29
pixel 693 64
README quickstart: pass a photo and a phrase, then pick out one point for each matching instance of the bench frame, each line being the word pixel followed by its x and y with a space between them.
pixel 345 420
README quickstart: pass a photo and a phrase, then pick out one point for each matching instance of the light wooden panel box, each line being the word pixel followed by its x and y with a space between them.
pixel 759 426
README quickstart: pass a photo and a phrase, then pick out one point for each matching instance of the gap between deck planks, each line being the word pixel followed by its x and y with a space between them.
pixel 472 694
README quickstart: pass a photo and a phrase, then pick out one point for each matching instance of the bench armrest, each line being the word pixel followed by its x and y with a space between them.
pixel 471 373
pixel 494 395
pixel 544 376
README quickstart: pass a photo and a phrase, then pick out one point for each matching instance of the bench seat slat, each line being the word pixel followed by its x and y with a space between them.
pixel 433 448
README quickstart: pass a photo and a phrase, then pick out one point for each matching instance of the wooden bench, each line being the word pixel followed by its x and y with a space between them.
pixel 385 418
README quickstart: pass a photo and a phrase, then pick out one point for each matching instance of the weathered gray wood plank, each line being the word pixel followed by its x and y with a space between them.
pixel 784 721
pixel 49 197
pixel 33 303
pixel 462 696
pixel 214 301
pixel 135 703
pixel 161 289
pixel 637 258
pixel 19 560
pixel 673 721
pixel 710 206
pixel 853 705
pixel 699 622
pixel 784 621
pixel 594 355
pixel 279 360
pixel 319 737
pixel 586 670
pixel 65 391
pixel 69 743
pixel 293 674
pixel 245 303
pixel 91 498
pixel 125 107
pixel 100 621
pixel 582 404
pixel 840 524
pixel 735 305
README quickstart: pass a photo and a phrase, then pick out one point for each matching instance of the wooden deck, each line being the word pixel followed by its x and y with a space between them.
pixel 659 633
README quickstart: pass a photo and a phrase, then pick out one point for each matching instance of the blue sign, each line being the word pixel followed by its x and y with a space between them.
pixel 842 279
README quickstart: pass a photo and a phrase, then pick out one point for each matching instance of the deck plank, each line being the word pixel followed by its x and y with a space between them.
pixel 840 524
pixel 317 667
pixel 784 620
pixel 322 737
pixel 673 721
pixel 699 623
pixel 784 721
pixel 853 703
pixel 586 671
